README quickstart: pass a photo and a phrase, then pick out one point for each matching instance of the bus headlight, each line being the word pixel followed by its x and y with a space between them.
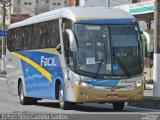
pixel 80 80
pixel 86 85
pixel 138 84
pixel 77 79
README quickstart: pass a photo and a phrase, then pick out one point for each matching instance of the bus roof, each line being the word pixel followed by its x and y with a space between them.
pixel 76 14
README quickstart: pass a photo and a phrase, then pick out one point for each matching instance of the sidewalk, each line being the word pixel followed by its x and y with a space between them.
pixel 149 102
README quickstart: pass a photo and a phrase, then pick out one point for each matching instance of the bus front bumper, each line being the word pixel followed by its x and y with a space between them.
pixel 84 94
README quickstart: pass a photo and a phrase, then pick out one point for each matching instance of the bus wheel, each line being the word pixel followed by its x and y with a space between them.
pixel 62 103
pixel 118 106
pixel 33 100
pixel 23 100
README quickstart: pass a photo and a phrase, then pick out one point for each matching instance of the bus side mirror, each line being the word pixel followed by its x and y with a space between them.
pixel 149 41
pixel 72 40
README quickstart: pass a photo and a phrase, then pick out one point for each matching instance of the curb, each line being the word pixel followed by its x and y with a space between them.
pixel 2 75
pixel 149 87
pixel 149 102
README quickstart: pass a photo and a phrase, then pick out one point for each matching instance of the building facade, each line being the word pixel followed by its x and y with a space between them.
pixel 34 7
pixel 22 9
pixel 18 10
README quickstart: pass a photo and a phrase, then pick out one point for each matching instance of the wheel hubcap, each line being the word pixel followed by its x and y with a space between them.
pixel 61 97
pixel 21 95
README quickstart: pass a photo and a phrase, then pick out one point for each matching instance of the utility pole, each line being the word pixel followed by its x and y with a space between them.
pixel 108 3
pixel 3 37
pixel 156 71
pixel 77 2
pixel 135 1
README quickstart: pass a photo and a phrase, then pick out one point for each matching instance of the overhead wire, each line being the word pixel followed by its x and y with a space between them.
pixel 57 5
pixel 11 5
pixel 112 2
pixel 34 11
pixel 24 6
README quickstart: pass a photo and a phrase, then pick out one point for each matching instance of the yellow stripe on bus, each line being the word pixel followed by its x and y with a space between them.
pixel 35 65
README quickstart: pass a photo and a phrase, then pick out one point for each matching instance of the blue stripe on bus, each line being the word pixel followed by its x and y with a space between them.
pixel 37 85
pixel 103 83
pixel 110 21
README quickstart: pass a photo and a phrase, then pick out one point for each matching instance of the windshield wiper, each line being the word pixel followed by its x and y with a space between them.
pixel 99 67
pixel 123 67
pixel 101 61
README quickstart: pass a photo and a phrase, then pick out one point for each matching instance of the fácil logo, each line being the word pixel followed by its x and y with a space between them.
pixel 47 62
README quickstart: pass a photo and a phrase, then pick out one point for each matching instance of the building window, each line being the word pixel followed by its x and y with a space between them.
pixel 17 7
pixel 25 3
pixel 47 1
pixel 56 3
pixel 29 3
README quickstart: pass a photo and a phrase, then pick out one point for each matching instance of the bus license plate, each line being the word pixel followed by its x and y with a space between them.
pixel 112 96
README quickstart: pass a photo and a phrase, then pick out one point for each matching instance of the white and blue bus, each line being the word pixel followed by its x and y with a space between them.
pixel 76 55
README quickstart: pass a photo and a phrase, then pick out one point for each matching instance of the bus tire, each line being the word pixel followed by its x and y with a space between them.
pixel 33 100
pixel 64 105
pixel 118 106
pixel 23 100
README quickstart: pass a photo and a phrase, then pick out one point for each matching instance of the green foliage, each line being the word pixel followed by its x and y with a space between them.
pixel 2 72
pixel 4 48
pixel 1 26
pixel 144 39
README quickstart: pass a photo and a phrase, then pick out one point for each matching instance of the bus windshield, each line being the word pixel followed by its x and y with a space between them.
pixel 109 49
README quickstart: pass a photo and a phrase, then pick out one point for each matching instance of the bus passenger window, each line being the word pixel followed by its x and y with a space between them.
pixel 58 48
pixel 67 50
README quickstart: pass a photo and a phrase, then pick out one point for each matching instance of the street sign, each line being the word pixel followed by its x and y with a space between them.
pixel 3 33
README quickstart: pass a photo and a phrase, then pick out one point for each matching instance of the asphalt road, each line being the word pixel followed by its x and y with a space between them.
pixel 10 104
